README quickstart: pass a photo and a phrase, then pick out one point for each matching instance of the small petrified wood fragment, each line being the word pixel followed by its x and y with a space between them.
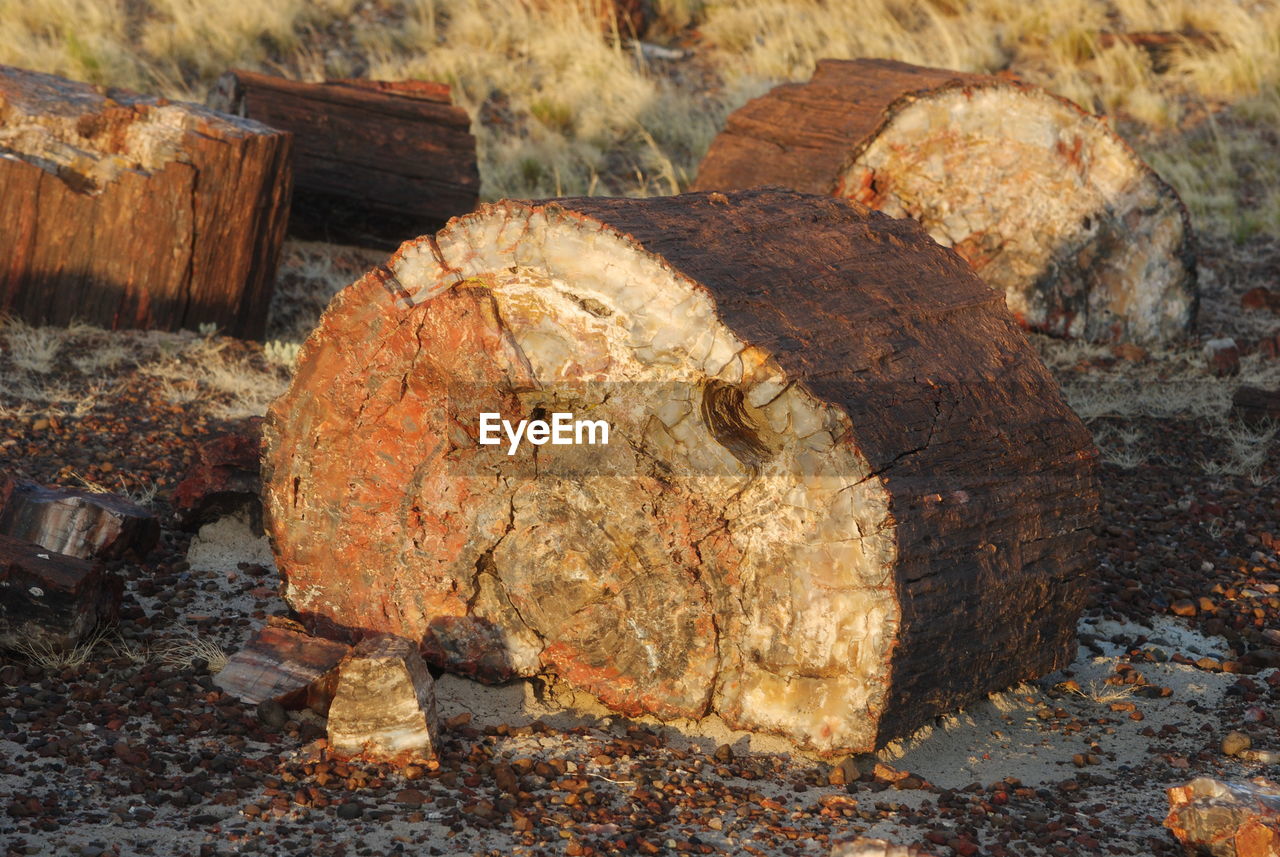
pixel 224 480
pixel 124 210
pixel 384 708
pixel 286 666
pixel 1046 202
pixel 49 600
pixel 82 524
pixel 375 162
pixel 840 494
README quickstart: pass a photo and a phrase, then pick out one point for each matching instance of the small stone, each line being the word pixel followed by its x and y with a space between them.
pixel 723 753
pixel 1236 742
pixel 1183 607
pixel 1222 356
pixel 272 714
pixel 350 810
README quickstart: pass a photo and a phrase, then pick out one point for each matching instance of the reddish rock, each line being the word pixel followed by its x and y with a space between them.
pixel 1226 819
pixel 224 480
pixel 284 665
pixel 51 600
pixel 82 524
pixel 1222 356
pixel 1260 298
pixel 384 709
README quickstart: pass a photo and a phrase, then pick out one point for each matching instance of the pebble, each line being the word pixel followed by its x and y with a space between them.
pixel 1234 743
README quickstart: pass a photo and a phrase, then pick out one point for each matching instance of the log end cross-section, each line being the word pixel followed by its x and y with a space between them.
pixel 839 496
pixel 1045 200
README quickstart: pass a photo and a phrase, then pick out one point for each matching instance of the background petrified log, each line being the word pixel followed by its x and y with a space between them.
pixel 1044 200
pixel 376 162
pixel 129 211
pixel 840 496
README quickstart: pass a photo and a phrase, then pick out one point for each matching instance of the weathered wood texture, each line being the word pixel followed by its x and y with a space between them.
pixel 376 163
pixel 841 494
pixel 127 211
pixel 49 600
pixel 76 523
pixel 1044 200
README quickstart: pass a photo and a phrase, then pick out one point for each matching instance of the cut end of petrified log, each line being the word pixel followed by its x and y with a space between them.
pixel 1043 199
pixel 824 434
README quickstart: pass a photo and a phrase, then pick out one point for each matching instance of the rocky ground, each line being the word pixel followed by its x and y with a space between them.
pixel 128 747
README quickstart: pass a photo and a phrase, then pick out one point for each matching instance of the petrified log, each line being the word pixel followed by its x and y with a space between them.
pixel 376 162
pixel 1044 200
pixel 286 666
pixel 840 495
pixel 384 708
pixel 130 211
pixel 50 600
pixel 1226 819
pixel 82 524
pixel 1256 405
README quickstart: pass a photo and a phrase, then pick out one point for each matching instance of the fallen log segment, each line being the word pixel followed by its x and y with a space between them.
pixel 127 211
pixel 1044 200
pixel 376 162
pixel 839 496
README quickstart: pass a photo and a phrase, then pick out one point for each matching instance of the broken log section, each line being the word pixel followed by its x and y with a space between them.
pixel 840 494
pixel 51 601
pixel 1226 819
pixel 286 666
pixel 127 211
pixel 384 704
pixel 376 162
pixel 1044 200
pixel 81 524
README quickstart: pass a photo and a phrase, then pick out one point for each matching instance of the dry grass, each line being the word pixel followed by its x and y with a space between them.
pixel 183 652
pixel 565 106
pixel 57 372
